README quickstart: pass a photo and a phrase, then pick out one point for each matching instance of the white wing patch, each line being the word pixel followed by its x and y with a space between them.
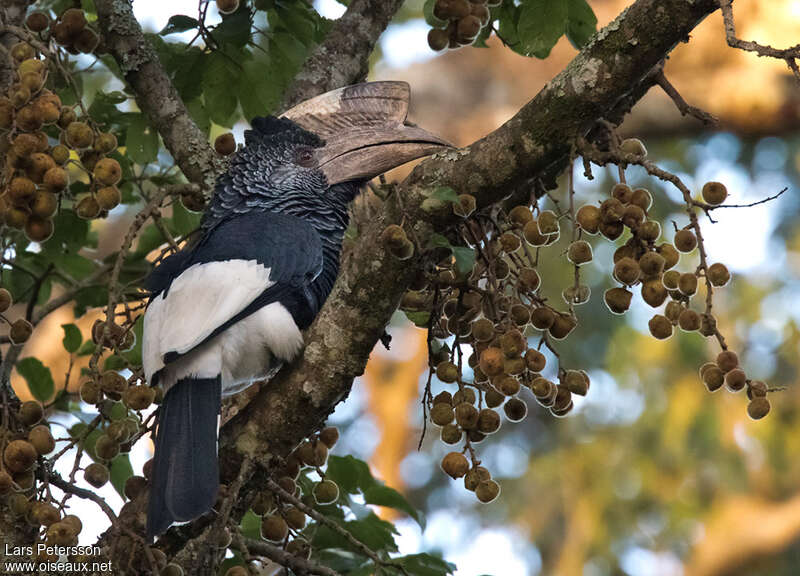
pixel 200 300
pixel 249 350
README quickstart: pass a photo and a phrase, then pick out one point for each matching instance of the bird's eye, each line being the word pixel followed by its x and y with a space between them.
pixel 305 158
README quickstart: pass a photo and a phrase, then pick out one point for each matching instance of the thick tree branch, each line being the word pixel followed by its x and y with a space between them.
pixel 731 545
pixel 343 57
pixel 155 93
pixel 608 76
pixel 372 282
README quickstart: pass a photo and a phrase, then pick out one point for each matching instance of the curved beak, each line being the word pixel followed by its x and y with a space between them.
pixel 365 130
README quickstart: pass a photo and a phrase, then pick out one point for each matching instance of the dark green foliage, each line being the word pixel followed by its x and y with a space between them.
pixel 72 337
pixel 329 545
pixel 38 377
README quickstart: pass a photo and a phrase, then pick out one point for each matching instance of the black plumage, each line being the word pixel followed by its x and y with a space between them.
pixel 185 445
pixel 291 226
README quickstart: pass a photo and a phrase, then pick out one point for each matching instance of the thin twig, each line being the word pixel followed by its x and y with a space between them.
pixel 65 486
pixel 684 107
pixel 615 156
pixel 788 55
pixel 65 298
pixel 298 565
pixel 355 542
pixel 153 205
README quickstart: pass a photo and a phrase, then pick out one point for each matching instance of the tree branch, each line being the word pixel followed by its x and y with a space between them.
pixel 608 76
pixel 371 282
pixel 343 57
pixel 789 55
pixel 284 558
pixel 684 107
pixel 155 93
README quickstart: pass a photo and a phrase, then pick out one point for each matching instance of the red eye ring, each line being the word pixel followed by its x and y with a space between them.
pixel 305 157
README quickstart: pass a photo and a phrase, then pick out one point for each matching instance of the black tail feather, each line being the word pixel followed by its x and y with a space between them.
pixel 185 474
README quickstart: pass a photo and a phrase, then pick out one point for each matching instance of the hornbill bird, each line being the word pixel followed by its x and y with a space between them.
pixel 229 309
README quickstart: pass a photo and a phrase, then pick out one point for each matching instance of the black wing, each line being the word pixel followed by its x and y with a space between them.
pixel 289 247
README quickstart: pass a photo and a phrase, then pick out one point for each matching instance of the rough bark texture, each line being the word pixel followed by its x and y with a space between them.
pixel 343 57
pixel 155 94
pixel 603 81
pixel 371 281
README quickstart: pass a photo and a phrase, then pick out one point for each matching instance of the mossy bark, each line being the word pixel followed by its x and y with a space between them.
pixel 602 82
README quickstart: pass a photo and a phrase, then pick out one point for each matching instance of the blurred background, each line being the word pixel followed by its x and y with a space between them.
pixel 650 475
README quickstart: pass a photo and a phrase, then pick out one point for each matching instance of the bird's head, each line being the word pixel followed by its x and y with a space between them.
pixel 321 149
pixel 364 131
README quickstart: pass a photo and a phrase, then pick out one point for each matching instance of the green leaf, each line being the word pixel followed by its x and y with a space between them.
pixel 142 141
pixel 463 255
pixel 419 318
pixel 234 29
pixel 427 565
pixel 483 36
pixel 72 338
pixel 342 561
pixel 465 259
pixel 351 474
pixel 90 297
pixel 104 106
pixel 128 193
pixel 114 362
pixel 199 114
pixel 86 348
pixel 70 234
pixel 391 498
pixel 120 469
pixel 438 198
pixel 297 19
pixel 430 18
pixel 183 221
pixel 371 530
pixel 508 17
pixel 439 241
pixel 219 80
pixel 184 64
pixel 119 411
pixel 541 23
pixel 582 23
pixel 259 93
pixel 179 23
pixel 75 265
pixel 38 377
pixel 368 569
pixel 445 194
pixel 87 443
pixel 376 533
pixel 289 51
pixel 251 525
